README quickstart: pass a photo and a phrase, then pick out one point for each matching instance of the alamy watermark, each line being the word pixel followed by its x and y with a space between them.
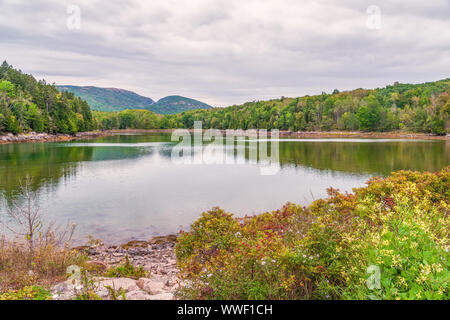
pixel 373 21
pixel 212 146
pixel 73 20
pixel 373 281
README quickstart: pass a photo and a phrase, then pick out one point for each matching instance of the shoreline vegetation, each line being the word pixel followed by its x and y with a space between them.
pixel 388 240
pixel 28 105
pixel 8 138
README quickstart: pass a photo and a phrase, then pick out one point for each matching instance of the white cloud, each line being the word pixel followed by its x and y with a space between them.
pixel 225 52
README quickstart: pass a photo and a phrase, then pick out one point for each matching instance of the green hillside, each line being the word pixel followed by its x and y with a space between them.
pixel 112 99
pixel 109 99
pixel 177 104
pixel 30 105
pixel 421 107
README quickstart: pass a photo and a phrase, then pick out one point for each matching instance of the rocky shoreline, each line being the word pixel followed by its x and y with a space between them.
pixel 314 134
pixel 156 256
pixel 45 137
pixel 7 138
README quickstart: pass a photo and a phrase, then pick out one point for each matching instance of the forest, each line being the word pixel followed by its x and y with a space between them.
pixel 30 105
pixel 406 107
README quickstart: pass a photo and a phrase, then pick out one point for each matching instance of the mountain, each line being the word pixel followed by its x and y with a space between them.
pixel 177 104
pixel 112 99
pixel 109 99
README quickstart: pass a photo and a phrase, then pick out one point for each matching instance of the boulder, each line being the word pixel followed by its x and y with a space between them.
pixel 150 285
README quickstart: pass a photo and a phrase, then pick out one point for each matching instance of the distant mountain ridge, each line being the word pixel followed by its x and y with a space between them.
pixel 109 99
pixel 177 104
pixel 114 99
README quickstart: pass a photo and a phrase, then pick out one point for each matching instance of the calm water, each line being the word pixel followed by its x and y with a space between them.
pixel 126 186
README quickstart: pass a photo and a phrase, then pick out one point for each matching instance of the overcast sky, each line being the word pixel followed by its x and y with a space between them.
pixel 231 51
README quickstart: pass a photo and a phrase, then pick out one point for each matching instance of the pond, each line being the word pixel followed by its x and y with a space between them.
pixel 127 186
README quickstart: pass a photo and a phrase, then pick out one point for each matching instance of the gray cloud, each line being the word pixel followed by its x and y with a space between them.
pixel 226 52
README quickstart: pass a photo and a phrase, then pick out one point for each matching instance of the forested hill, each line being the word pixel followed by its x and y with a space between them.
pixel 410 107
pixel 30 105
pixel 178 104
pixel 113 99
pixel 407 107
pixel 109 99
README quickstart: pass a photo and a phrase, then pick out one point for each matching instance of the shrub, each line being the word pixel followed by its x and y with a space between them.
pixel 397 227
pixel 126 270
pixel 27 293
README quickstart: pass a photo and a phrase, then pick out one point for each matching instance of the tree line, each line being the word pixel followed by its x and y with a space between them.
pixel 30 105
pixel 408 107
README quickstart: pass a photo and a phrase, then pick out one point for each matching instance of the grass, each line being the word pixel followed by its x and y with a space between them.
pixel 44 266
pixel 42 255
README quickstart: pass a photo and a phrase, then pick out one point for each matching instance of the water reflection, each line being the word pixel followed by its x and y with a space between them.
pixel 371 156
pixel 126 186
pixel 362 156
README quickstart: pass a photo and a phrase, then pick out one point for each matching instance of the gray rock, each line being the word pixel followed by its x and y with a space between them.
pixel 102 292
pixel 162 296
pixel 119 250
pixel 151 285
pixel 126 284
pixel 137 295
